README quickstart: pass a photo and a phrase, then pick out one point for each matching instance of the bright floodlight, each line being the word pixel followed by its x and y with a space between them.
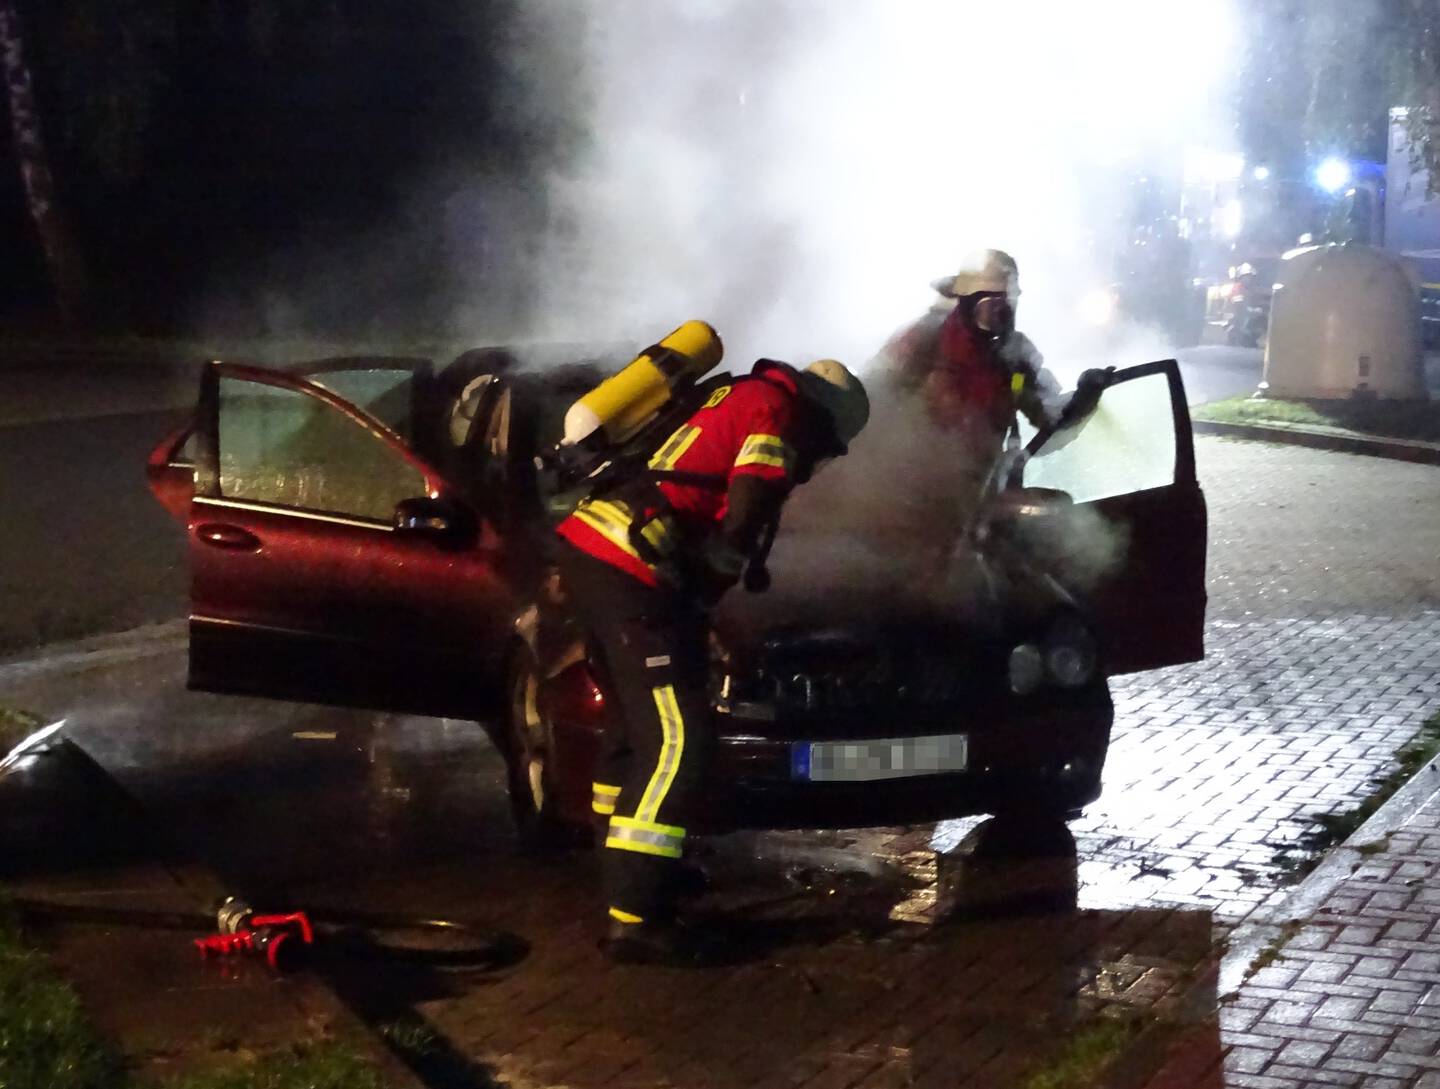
pixel 1261 173
pixel 1332 175
pixel 1206 167
pixel 1232 219
pixel 1228 166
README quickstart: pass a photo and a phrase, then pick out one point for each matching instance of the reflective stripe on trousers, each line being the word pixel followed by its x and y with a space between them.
pixel 602 798
pixel 645 837
pixel 672 750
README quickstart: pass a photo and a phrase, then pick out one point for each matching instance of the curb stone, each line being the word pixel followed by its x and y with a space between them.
pixel 94 650
pixel 1302 900
pixel 1345 442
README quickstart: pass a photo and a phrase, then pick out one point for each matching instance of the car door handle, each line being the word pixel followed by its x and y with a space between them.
pixel 222 536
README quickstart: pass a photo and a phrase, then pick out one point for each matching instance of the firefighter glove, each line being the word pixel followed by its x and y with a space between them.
pixel 1095 378
pixel 719 569
pixel 1092 383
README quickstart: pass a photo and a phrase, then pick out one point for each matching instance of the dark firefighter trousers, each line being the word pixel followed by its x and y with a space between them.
pixel 653 646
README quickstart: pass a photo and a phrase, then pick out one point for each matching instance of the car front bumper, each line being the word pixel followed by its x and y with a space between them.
pixel 1047 760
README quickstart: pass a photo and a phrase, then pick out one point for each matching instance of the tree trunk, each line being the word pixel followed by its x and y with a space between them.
pixel 62 258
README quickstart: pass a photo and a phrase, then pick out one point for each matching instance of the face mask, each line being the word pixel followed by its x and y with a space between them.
pixel 994 315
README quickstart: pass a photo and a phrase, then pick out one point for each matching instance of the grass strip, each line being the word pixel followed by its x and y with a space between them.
pixel 47 1042
pixel 1086 1054
pixel 323 1066
pixel 1412 420
pixel 1331 829
pixel 15 727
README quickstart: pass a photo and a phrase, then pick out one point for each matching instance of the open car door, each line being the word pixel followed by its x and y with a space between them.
pixel 1137 529
pixel 330 562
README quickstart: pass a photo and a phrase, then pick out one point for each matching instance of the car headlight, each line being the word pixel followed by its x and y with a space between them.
pixel 1027 669
pixel 1071 655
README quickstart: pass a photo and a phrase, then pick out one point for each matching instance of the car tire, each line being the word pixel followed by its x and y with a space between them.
pixel 1028 833
pixel 528 744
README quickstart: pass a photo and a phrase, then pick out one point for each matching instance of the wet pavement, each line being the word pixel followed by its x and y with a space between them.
pixel 75 488
pixel 1321 665
pixel 1354 992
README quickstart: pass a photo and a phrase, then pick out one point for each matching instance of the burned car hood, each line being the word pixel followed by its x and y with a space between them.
pixel 837 581
pixel 882 540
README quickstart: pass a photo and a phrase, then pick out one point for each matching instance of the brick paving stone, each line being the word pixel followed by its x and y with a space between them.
pixel 1247 1060
pixel 1259 1081
pixel 1417 1042
pixel 1384 1067
pixel 1307 1075
pixel 1318 971
pixel 1354 1045
pixel 1395 1034
pixel 1339 1008
pixel 1302 1053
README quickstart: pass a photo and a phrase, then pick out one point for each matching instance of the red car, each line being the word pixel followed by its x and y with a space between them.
pixel 370 533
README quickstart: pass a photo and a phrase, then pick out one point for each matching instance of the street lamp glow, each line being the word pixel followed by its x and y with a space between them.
pixel 1332 175
pixel 1260 173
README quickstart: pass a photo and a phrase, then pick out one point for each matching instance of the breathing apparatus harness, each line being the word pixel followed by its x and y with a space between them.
pixel 623 473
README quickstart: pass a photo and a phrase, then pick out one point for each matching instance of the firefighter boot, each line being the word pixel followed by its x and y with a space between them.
pixel 671 944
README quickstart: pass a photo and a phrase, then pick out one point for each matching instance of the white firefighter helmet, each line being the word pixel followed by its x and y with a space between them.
pixel 836 389
pixel 983 270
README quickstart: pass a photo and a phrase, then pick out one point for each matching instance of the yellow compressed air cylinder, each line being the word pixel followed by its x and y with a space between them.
pixel 619 406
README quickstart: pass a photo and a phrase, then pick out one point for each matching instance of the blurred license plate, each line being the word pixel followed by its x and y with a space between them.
pixel 879 758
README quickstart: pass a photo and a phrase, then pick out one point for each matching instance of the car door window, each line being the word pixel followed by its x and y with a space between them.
pixel 388 395
pixel 1127 445
pixel 289 448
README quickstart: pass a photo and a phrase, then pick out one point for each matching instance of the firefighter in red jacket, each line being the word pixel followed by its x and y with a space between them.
pixel 645 562
pixel 974 371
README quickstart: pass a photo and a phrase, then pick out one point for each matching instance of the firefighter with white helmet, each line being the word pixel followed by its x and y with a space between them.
pixel 974 370
pixel 646 559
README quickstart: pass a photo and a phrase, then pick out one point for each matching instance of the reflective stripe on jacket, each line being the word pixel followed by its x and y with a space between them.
pixel 746 428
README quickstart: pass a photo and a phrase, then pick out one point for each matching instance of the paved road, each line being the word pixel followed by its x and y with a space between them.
pixel 1215 372
pixel 1320 666
pixel 84 547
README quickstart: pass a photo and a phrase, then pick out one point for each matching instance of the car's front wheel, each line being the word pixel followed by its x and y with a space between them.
pixel 532 779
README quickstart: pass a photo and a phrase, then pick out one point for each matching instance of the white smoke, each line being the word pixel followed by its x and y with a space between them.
pixel 798 171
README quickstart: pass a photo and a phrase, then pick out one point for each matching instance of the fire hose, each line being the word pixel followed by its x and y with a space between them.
pixel 290 940
pixel 284 939
pixel 287 940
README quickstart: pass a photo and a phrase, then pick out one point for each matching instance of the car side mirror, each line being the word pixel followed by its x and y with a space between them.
pixel 442 520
